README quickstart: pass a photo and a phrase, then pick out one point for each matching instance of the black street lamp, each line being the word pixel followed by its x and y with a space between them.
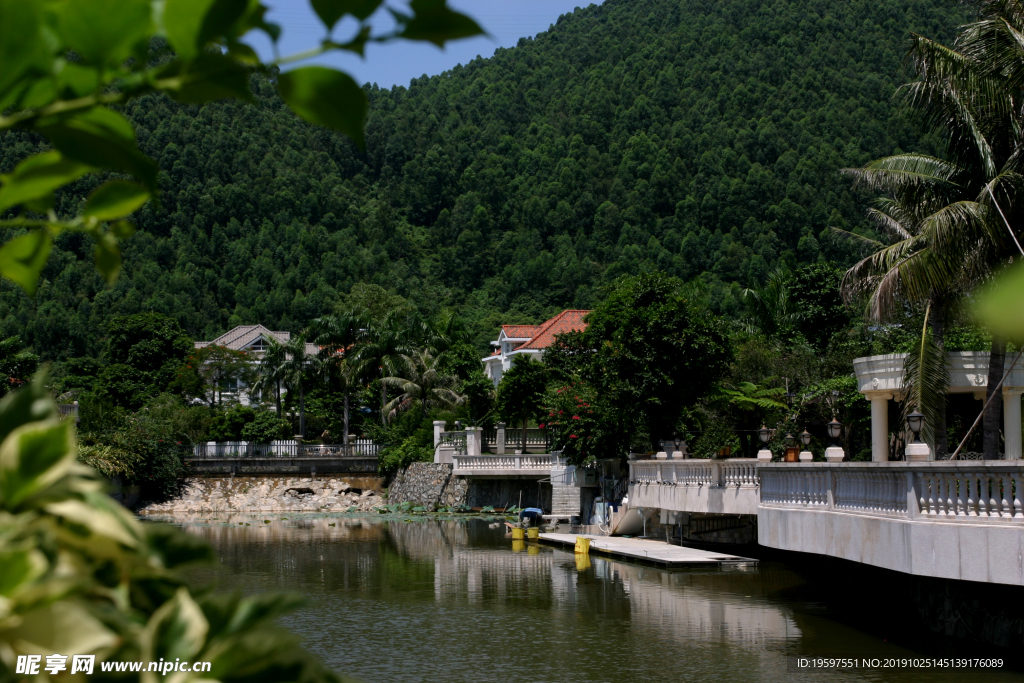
pixel 916 421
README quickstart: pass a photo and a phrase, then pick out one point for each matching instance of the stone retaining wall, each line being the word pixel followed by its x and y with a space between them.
pixel 269 494
pixel 428 484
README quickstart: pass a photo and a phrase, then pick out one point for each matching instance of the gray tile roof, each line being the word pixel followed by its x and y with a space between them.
pixel 243 336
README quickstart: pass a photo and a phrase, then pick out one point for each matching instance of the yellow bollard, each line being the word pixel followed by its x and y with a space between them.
pixel 582 563
pixel 533 533
pixel 582 545
pixel 517 534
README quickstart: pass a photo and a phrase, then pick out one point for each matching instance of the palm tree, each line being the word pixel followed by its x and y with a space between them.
pixel 958 210
pixel 422 381
pixel 772 311
pixel 338 337
pixel 912 268
pixel 270 371
pixel 749 400
pixel 295 372
pixel 383 345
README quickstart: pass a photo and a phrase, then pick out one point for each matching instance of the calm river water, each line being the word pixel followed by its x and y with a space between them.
pixel 452 601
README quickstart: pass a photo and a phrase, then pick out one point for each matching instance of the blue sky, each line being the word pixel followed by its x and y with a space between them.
pixel 397 63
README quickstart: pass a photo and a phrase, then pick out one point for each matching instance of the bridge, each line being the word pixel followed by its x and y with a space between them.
pixel 944 519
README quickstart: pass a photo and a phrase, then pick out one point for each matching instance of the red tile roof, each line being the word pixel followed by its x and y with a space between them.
pixel 566 321
pixel 521 331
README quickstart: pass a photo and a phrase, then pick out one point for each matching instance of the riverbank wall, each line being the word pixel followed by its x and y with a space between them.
pixel 433 486
pixel 269 494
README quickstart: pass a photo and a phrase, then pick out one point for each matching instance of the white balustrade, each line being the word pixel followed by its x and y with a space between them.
pixel 485 463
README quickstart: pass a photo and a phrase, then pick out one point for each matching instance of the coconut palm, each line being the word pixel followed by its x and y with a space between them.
pixel 772 312
pixel 421 381
pixel 338 337
pixel 911 268
pixel 382 346
pixel 953 217
pixel 270 371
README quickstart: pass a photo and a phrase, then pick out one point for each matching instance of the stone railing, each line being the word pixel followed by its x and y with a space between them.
pixel 360 448
pixel 945 491
pixel 505 464
pixel 736 472
pixel 956 520
pixel 702 486
pixel 453 440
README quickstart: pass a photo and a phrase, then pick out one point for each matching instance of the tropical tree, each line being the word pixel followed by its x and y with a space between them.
pixel 773 313
pixel 340 366
pixel 271 371
pixel 521 393
pixel 913 268
pixel 970 94
pixel 422 381
pixel 752 403
pixel 296 370
pixel 382 347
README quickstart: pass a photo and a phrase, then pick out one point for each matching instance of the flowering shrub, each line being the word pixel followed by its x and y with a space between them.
pixel 574 421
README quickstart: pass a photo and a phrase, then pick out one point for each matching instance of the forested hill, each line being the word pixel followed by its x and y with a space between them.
pixel 698 137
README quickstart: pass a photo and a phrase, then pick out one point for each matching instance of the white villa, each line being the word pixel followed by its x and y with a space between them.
pixel 530 340
pixel 253 339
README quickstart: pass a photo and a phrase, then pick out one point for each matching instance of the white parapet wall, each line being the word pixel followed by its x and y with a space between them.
pixel 728 487
pixel 954 520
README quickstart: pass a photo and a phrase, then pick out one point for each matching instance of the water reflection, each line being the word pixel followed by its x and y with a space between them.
pixel 450 600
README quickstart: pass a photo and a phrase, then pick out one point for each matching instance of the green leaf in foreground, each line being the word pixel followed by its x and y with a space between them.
pixel 115 199
pixel 330 11
pixel 108 256
pixel 435 22
pixel 190 24
pixel 37 177
pixel 103 32
pixel 23 258
pixel 1001 306
pixel 326 97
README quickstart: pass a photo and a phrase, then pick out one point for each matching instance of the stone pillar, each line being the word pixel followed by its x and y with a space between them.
pixel 499 440
pixel 764 455
pixel 474 439
pixel 918 452
pixel 834 454
pixel 1011 422
pixel 879 425
pixel 806 456
pixel 438 428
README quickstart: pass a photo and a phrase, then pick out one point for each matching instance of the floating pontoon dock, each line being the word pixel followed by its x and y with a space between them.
pixel 655 552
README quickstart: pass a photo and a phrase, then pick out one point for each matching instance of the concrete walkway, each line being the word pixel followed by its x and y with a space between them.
pixel 644 550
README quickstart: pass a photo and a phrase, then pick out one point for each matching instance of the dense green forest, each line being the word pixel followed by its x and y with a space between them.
pixel 695 137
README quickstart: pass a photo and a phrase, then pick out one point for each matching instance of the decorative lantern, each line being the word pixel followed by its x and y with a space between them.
pixel 916 421
pixel 764 434
pixel 835 428
pixel 805 438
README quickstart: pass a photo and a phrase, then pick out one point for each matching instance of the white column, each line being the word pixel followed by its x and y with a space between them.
pixel 879 425
pixel 474 437
pixel 499 446
pixel 1011 422
pixel 438 428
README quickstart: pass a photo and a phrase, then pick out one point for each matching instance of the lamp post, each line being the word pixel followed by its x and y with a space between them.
pixel 834 453
pixel 805 439
pixel 680 451
pixel 917 451
pixel 765 434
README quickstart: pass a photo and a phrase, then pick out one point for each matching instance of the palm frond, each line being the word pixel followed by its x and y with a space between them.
pixel 925 378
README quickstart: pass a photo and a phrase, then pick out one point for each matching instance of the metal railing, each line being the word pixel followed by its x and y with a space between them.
pixel 66 410
pixel 361 448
